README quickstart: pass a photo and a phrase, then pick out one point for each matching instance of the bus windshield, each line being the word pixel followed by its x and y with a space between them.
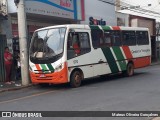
pixel 47 44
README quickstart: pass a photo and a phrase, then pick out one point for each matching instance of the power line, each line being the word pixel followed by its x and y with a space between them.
pixel 109 2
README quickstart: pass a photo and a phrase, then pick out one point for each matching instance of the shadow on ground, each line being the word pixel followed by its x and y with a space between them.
pixel 91 81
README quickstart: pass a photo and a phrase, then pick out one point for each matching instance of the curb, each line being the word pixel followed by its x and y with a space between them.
pixel 157 63
pixel 15 88
pixel 157 118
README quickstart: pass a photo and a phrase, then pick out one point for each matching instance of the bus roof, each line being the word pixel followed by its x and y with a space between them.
pixel 80 26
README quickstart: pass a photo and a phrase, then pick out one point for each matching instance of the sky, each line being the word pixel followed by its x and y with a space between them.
pixel 155 6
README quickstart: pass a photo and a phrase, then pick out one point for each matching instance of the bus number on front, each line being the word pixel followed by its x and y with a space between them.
pixel 75 61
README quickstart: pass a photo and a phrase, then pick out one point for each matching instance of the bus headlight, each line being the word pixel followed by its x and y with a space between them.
pixel 59 68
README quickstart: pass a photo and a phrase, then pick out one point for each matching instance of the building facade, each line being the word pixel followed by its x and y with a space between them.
pixel 99 12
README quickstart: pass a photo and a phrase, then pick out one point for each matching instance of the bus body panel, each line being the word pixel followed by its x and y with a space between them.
pixel 141 55
pixel 90 64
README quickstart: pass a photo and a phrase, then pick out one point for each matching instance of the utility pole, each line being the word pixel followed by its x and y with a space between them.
pixel 22 28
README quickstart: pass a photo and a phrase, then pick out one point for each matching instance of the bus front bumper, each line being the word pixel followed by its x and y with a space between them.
pixel 53 78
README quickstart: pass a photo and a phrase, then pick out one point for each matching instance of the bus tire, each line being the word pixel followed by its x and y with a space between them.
pixel 76 79
pixel 129 70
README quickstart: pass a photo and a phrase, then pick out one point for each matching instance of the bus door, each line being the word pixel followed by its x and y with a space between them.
pixel 79 51
pixel 100 66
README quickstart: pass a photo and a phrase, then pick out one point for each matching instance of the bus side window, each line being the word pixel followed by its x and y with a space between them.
pixel 75 44
pixel 142 38
pixel 107 38
pixel 97 38
pixel 78 43
pixel 107 41
pixel 69 41
pixel 70 50
pixel 84 43
pixel 129 38
pixel 116 38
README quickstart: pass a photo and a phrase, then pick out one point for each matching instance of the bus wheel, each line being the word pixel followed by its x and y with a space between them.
pixel 76 79
pixel 130 69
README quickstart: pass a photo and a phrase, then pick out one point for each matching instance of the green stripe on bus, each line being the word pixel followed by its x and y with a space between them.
pixel 118 53
pixel 110 59
pixel 94 27
pixel 106 28
pixel 122 65
pixel 120 58
pixel 50 67
pixel 44 67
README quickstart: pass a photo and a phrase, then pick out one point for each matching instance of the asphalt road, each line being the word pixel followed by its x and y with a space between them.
pixel 116 93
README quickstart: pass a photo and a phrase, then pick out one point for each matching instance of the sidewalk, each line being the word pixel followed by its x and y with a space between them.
pixel 14 86
pixel 156 62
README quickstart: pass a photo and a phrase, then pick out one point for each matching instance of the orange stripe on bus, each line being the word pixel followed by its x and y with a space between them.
pixel 127 52
pixel 142 62
pixel 37 66
pixel 116 28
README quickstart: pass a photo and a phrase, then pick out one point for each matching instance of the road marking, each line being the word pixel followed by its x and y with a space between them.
pixel 30 96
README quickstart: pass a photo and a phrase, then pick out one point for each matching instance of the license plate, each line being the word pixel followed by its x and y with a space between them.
pixel 42 76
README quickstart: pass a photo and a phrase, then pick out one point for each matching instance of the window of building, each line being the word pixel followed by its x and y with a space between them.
pixel 78 43
pixel 128 38
pixel 142 37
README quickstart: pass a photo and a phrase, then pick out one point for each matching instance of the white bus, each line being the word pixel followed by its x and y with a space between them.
pixel 72 53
